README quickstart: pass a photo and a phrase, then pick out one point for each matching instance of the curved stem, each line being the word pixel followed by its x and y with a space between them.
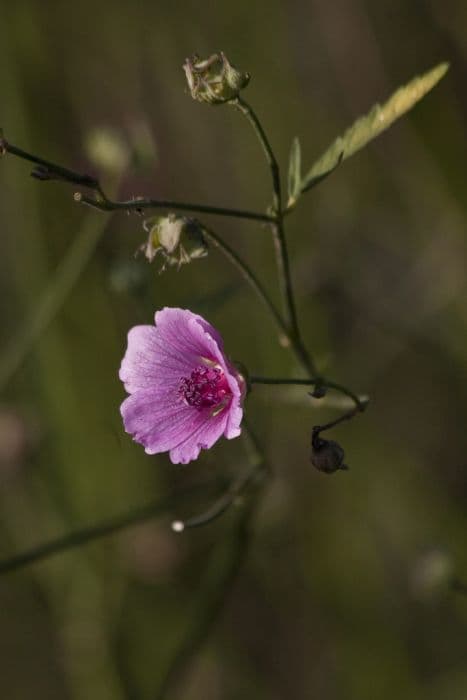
pixel 248 112
pixel 47 170
pixel 221 574
pixel 139 203
pixel 249 276
pixel 360 402
pixel 102 529
pixel 282 257
pixel 216 584
pixel 258 469
pixel 81 537
pixel 280 243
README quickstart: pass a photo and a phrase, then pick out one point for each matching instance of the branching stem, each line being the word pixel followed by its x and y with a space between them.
pixel 280 242
pixel 46 170
pixel 249 276
pixel 321 382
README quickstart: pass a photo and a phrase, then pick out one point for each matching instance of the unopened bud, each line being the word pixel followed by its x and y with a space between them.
pixel 326 455
pixel 179 240
pixel 214 79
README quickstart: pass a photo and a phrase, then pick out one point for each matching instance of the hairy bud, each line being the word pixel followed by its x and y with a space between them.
pixel 214 79
pixel 326 455
pixel 178 238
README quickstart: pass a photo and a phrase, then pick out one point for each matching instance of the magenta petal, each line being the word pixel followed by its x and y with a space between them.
pixel 203 437
pixel 232 429
pixel 161 371
pixel 160 424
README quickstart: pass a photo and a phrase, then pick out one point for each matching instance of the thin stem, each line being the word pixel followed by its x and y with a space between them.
pixel 282 257
pixel 360 402
pixel 51 171
pixel 48 170
pixel 248 112
pixel 280 243
pixel 295 343
pixel 317 429
pixel 81 537
pixel 249 276
pixel 221 505
pixel 137 204
pixel 89 534
pixel 220 576
pixel 216 583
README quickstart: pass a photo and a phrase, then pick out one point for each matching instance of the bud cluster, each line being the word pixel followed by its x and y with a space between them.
pixel 214 79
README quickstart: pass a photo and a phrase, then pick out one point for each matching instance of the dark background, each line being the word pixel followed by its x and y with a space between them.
pixel 337 598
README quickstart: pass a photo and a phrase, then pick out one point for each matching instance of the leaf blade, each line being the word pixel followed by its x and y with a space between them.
pixel 369 126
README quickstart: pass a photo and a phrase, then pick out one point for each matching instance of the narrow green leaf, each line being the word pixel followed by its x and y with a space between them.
pixel 295 171
pixel 371 125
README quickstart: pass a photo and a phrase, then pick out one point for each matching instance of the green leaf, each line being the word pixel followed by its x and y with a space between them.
pixel 295 171
pixel 371 125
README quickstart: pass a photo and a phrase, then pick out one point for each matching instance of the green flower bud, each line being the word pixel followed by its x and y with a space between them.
pixel 214 79
pixel 178 238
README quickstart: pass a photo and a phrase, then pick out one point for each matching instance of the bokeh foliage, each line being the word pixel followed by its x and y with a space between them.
pixel 332 601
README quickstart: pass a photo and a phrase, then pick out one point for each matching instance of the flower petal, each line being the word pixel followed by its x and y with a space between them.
pixel 203 437
pixel 186 332
pixel 235 415
pixel 161 422
pixel 182 331
pixel 156 360
pixel 143 366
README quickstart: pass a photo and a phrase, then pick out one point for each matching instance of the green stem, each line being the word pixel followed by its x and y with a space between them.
pixel 249 276
pixel 258 470
pixel 48 170
pixel 51 171
pixel 221 574
pixel 216 583
pixel 140 203
pixel 282 257
pixel 280 242
pixel 248 112
pixel 82 537
pixel 360 402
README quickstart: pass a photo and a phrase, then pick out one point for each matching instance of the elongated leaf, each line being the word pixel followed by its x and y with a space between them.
pixel 295 171
pixel 371 125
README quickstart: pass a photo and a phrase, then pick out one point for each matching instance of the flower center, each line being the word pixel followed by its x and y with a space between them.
pixel 205 388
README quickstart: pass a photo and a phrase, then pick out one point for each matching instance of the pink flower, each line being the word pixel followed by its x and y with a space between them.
pixel 184 392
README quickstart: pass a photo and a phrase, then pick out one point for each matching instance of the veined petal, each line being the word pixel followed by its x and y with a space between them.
pixel 173 404
pixel 161 423
pixel 147 364
pixel 203 437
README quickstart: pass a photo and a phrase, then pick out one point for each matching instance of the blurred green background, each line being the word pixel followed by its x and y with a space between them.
pixel 337 598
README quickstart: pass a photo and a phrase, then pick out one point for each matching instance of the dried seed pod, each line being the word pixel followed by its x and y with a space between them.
pixel 326 455
pixel 178 238
pixel 214 79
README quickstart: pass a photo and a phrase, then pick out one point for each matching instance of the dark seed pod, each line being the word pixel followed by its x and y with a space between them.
pixel 326 455
pixel 318 392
